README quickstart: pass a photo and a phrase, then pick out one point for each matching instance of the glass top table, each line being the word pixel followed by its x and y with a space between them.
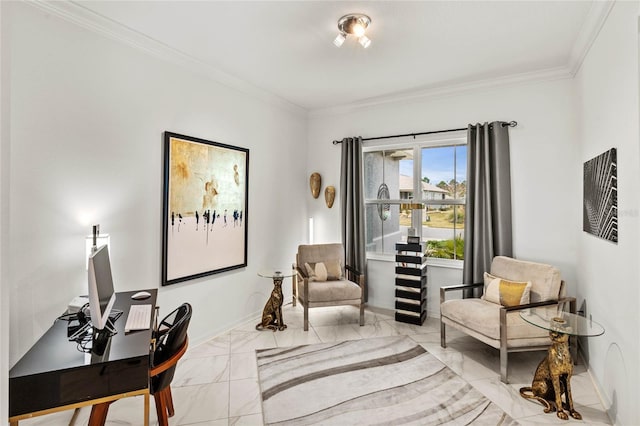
pixel 562 322
pixel 272 313
pixel 276 272
pixel 552 379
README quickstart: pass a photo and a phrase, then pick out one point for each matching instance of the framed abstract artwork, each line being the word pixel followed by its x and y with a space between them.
pixel 600 201
pixel 205 204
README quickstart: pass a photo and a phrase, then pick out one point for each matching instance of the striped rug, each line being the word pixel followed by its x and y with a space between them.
pixel 380 381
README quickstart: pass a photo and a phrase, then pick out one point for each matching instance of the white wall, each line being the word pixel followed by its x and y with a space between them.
pixel 545 184
pixel 87 117
pixel 607 102
pixel 4 203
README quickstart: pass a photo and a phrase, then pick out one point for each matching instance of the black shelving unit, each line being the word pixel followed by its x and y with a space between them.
pixel 411 283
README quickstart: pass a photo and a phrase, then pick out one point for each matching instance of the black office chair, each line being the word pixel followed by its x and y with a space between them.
pixel 171 343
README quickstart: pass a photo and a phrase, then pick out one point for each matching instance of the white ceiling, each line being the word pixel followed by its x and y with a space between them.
pixel 284 48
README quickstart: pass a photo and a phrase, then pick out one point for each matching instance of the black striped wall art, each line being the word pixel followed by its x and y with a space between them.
pixel 600 207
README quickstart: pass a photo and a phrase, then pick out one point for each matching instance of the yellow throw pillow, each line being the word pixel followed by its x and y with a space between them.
pixel 507 293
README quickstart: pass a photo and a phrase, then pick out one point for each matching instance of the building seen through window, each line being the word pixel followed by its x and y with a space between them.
pixel 417 189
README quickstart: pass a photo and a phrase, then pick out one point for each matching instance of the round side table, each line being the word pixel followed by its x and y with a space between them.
pixel 272 312
pixel 553 375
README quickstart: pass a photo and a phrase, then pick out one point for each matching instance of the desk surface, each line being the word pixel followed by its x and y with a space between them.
pixel 54 364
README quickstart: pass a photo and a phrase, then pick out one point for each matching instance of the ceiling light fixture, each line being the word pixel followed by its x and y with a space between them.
pixel 355 24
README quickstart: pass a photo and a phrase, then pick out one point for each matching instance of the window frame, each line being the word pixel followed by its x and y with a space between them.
pixel 417 144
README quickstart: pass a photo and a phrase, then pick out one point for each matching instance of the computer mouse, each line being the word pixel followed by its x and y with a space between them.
pixel 141 295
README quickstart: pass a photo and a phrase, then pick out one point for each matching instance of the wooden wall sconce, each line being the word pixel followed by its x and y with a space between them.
pixel 329 195
pixel 315 181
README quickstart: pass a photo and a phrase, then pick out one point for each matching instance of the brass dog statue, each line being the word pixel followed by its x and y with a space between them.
pixel 552 379
pixel 272 312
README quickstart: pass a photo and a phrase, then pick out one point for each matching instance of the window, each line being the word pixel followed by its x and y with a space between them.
pixel 416 189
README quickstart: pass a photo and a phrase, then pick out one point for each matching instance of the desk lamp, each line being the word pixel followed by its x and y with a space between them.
pixel 93 241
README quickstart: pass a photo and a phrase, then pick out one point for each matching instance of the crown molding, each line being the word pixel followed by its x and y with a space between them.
pixel 85 18
pixel 596 17
pixel 449 89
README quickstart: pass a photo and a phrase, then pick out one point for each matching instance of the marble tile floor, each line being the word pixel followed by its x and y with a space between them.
pixel 216 383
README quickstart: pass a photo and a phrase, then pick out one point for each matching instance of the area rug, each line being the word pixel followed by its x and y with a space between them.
pixel 378 381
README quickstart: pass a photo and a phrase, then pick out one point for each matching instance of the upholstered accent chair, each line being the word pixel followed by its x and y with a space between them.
pixel 510 286
pixel 323 279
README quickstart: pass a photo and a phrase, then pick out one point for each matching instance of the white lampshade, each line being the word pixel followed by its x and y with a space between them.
pixel 101 240
pixel 340 38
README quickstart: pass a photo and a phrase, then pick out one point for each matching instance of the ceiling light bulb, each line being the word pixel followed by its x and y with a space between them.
pixel 358 29
pixel 355 24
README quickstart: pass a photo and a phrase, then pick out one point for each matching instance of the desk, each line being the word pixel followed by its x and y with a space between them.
pixel 552 378
pixel 55 376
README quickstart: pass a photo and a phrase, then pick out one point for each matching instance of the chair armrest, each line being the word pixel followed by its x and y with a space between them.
pixel 301 271
pixel 538 304
pixel 529 305
pixel 357 277
pixel 173 360
pixel 460 286
pixel 353 270
pixel 445 289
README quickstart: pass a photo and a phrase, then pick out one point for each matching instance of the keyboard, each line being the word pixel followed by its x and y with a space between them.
pixel 139 318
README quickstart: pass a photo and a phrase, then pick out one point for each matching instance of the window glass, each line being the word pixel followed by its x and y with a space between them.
pixel 382 234
pixel 441 189
pixel 444 180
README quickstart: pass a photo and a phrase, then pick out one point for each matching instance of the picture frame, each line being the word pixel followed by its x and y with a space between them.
pixel 600 196
pixel 205 205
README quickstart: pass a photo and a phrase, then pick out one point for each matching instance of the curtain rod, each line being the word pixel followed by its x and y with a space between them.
pixel 504 124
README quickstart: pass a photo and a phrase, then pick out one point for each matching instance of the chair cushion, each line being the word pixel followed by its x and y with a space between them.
pixel 330 291
pixel 484 317
pixel 323 271
pixel 506 293
pixel 545 279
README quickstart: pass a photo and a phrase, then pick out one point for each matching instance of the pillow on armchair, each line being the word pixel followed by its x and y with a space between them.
pixel 505 292
pixel 330 270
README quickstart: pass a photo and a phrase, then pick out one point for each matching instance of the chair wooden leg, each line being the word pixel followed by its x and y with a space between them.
pixel 161 408
pixel 443 334
pixel 306 317
pixel 361 314
pixel 99 414
pixel 169 401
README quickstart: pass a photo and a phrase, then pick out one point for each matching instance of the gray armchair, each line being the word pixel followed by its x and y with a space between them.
pixel 501 326
pixel 323 279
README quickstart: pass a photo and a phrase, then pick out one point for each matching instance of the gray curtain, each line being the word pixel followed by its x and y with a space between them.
pixel 352 205
pixel 487 224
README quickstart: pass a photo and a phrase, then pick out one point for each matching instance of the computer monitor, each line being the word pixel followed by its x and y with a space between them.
pixel 101 293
